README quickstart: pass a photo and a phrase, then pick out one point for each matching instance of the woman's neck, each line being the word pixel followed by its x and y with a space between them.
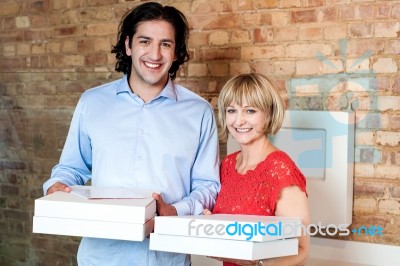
pixel 251 155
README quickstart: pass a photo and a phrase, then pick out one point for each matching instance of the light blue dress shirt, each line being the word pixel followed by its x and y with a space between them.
pixel 167 145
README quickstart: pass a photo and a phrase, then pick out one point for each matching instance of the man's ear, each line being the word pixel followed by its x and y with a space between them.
pixel 128 49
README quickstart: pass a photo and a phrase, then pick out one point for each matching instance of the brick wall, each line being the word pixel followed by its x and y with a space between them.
pixel 320 54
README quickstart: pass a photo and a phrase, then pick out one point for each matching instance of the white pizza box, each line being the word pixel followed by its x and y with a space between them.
pixel 92 228
pixel 224 248
pixel 230 226
pixel 71 206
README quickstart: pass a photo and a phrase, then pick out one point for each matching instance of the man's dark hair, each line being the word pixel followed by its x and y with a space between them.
pixel 148 12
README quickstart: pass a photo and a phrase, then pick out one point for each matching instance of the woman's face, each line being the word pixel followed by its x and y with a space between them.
pixel 245 123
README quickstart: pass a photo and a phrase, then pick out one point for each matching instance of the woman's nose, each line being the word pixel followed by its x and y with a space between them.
pixel 240 119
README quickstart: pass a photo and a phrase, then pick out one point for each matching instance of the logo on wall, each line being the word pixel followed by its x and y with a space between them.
pixel 351 86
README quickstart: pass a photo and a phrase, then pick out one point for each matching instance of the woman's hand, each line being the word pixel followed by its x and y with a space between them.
pixel 238 262
pixel 207 212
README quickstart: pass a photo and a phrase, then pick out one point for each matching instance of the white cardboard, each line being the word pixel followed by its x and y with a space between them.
pixel 230 226
pixel 224 248
pixel 92 192
pixel 70 206
pixel 91 228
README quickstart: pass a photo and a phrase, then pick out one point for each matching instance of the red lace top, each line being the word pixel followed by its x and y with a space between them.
pixel 257 191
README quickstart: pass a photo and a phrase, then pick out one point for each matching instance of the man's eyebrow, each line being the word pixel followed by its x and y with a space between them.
pixel 143 37
pixel 149 38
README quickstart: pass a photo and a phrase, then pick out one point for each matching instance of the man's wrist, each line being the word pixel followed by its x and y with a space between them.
pixel 174 209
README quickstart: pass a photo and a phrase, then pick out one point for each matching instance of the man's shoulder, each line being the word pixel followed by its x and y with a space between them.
pixel 105 88
pixel 184 94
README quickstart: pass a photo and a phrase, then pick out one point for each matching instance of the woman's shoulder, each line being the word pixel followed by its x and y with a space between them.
pixel 279 156
pixel 230 157
pixel 229 160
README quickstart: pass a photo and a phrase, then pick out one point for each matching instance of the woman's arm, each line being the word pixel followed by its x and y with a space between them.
pixel 293 203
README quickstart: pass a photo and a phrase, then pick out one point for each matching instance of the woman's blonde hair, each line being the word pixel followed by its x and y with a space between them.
pixel 258 92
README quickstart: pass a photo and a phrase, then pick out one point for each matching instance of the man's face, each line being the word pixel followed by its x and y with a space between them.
pixel 152 53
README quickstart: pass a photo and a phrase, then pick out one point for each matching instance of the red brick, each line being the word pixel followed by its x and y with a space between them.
pixel 101 2
pixel 254 19
pixel 219 53
pixel 42 61
pixel 361 30
pixel 96 59
pixel 12 36
pixel 262 35
pixel 383 84
pixel 347 13
pixel 206 7
pixel 286 34
pixel 100 14
pixel 38 34
pixel 11 63
pixel 9 23
pixel 240 5
pixel 8 190
pixel 304 16
pixel 222 21
pixel 85 46
pixel 327 15
pixel 70 87
pixel 394 47
pixel 9 8
pixel 359 47
pixel 369 189
pixel 365 12
pixel 69 31
pixel 396 85
pixel 312 33
pixel 39 6
pixel 382 10
pixel 101 29
pixel 38 21
pixel 67 60
pixel 265 4
pixel 396 10
pixel 312 3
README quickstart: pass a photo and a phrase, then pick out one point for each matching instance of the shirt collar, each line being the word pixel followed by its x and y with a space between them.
pixel 169 90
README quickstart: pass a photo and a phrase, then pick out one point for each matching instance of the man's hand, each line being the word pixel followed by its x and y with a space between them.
pixel 58 187
pixel 164 209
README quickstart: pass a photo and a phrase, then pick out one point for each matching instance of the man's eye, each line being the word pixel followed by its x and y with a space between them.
pixel 166 44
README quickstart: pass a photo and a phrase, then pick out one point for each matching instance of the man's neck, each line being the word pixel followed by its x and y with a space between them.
pixel 145 91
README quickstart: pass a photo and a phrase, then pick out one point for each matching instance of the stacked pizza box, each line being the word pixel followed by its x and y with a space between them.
pixel 246 237
pixel 73 214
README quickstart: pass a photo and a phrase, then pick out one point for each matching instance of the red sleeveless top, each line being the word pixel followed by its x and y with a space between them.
pixel 257 191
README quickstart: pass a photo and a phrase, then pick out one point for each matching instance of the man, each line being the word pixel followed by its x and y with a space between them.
pixel 144 132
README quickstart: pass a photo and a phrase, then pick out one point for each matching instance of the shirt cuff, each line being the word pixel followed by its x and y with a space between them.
pixel 182 208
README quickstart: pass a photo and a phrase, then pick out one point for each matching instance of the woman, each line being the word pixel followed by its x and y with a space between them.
pixel 259 179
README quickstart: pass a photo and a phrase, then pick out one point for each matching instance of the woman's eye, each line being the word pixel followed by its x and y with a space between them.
pixel 230 111
pixel 251 111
